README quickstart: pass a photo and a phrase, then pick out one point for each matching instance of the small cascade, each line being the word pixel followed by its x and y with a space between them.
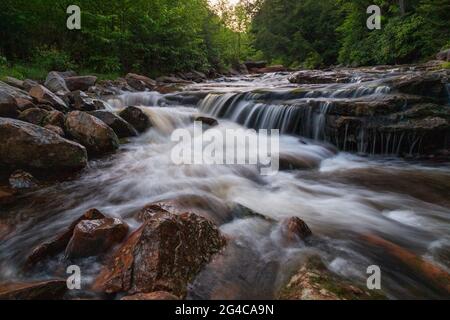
pixel 136 99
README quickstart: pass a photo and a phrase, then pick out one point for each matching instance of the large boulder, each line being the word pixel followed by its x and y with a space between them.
pixel 140 82
pixel 122 128
pixel 80 83
pixel 58 243
pixel 431 84
pixel 93 237
pixel 56 83
pixel 164 254
pixel 81 101
pixel 91 132
pixel 8 106
pixel 136 117
pixel 45 96
pixel 29 146
pixel 34 115
pixel 15 82
pixel 320 77
pixel 43 290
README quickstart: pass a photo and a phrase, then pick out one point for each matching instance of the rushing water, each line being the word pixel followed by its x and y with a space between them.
pixel 341 196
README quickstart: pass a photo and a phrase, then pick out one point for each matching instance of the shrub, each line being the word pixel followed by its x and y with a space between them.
pixel 52 59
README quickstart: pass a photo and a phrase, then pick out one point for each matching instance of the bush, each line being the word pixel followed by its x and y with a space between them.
pixel 52 59
pixel 3 61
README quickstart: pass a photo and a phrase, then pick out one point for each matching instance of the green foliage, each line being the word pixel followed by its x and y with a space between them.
pixel 52 59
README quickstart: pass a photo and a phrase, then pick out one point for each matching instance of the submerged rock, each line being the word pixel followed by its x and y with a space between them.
pixel 43 290
pixel 91 132
pixel 165 253
pixel 136 117
pixel 29 146
pixel 122 128
pixel 22 180
pixel 210 122
pixel 313 281
pixel 93 237
pixel 294 229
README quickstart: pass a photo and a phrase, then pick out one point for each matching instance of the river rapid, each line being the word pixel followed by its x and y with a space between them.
pixel 342 196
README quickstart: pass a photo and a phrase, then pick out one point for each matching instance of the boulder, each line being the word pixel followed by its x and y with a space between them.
pixel 45 96
pixel 164 254
pixel 270 69
pixel 255 64
pixel 8 106
pixel 7 195
pixel 210 122
pixel 157 295
pixel 29 146
pixel 320 77
pixel 20 179
pixel 58 243
pixel 81 101
pixel 313 281
pixel 93 237
pixel 34 115
pixel 295 229
pixel 80 83
pixel 171 79
pixel 136 117
pixel 148 83
pixel 444 55
pixel 430 84
pixel 24 104
pixel 122 128
pixel 42 290
pixel 54 118
pixel 58 130
pixel 56 83
pixel 91 132
pixel 28 84
pixel 15 82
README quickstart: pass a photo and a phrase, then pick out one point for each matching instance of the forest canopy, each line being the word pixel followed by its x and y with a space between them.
pixel 163 36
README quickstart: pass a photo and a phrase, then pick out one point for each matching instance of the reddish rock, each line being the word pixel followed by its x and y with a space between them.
pixel 92 237
pixel 165 253
pixel 54 118
pixel 157 295
pixel 136 117
pixel 294 229
pixel 24 104
pixel 20 179
pixel 58 243
pixel 80 82
pixel 122 128
pixel 44 290
pixel 7 195
pixel 55 129
pixel 34 115
pixel 44 96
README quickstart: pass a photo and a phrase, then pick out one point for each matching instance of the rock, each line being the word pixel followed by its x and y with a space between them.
pixel 270 69
pixel 67 74
pixel 255 64
pixel 438 276
pixel 165 254
pixel 22 180
pixel 157 295
pixel 137 85
pixel 57 244
pixel 44 96
pixel 443 55
pixel 122 128
pixel 171 79
pixel 24 104
pixel 295 229
pixel 93 237
pixel 320 77
pixel 81 101
pixel 211 122
pixel 54 118
pixel 15 82
pixel 313 281
pixel 91 132
pixel 43 290
pixel 7 195
pixel 58 130
pixel 34 115
pixel 56 83
pixel 149 83
pixel 430 84
pixel 8 106
pixel 28 84
pixel 136 117
pixel 80 83
pixel 26 145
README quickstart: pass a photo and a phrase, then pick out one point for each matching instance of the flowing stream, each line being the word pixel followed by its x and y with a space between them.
pixel 341 196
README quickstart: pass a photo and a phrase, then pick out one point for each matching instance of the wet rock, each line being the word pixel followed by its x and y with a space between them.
pixel 81 101
pixel 210 122
pixel 44 96
pixel 136 117
pixel 295 229
pixel 29 146
pixel 15 82
pixel 34 115
pixel 320 77
pixel 438 276
pixel 122 128
pixel 58 130
pixel 6 89
pixel 7 195
pixel 8 106
pixel 313 281
pixel 24 104
pixel 28 84
pixel 44 290
pixel 91 132
pixel 93 237
pixel 430 84
pixel 157 295
pixel 20 179
pixel 255 64
pixel 56 83
pixel 57 244
pixel 165 254
pixel 171 79
pixel 146 81
pixel 444 55
pixel 80 83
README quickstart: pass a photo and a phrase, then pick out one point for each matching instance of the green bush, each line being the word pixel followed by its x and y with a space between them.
pixel 3 61
pixel 52 59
